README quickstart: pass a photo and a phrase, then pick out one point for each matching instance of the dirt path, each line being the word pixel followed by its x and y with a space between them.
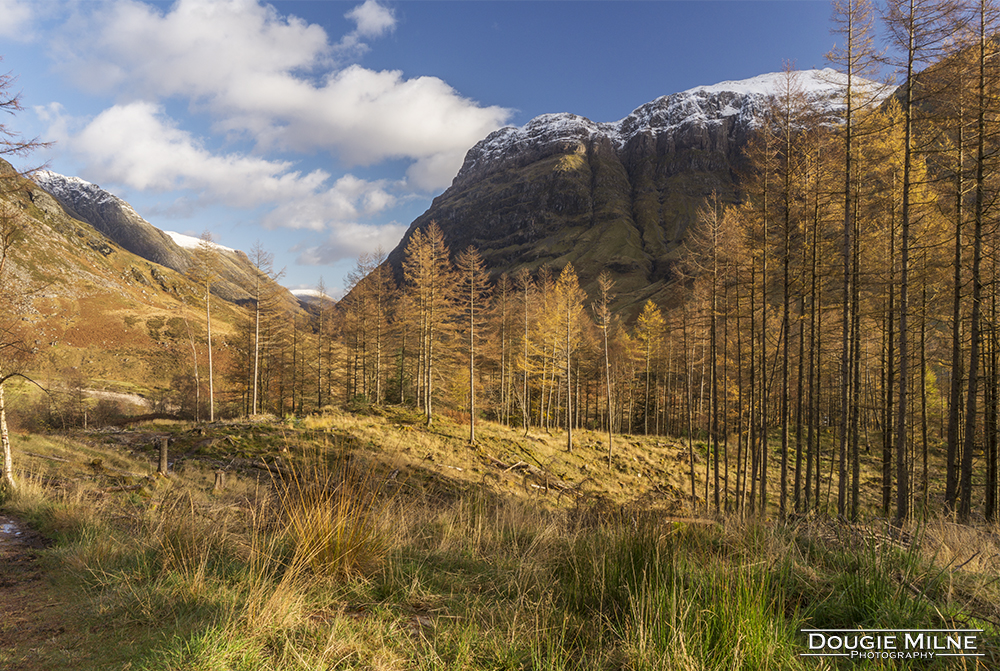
pixel 29 614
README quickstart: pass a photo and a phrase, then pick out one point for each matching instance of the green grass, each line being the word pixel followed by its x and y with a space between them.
pixel 340 560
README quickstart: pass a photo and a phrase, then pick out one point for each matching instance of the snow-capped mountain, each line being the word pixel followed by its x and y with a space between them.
pixel 120 223
pixel 713 117
pixel 113 217
pixel 610 195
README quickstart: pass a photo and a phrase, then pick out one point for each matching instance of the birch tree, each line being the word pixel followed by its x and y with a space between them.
pixel 14 351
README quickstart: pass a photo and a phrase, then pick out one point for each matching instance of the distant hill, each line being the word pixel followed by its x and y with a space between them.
pixel 312 300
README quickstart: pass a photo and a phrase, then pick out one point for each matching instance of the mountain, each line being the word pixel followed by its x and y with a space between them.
pixel 617 196
pixel 113 217
pixel 116 219
pixel 99 315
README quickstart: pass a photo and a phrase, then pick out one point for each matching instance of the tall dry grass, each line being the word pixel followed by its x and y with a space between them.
pixel 331 563
pixel 338 516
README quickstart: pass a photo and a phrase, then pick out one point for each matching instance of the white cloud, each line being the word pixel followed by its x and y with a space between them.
pixel 351 240
pixel 349 198
pixel 257 85
pixel 432 172
pixel 136 145
pixel 194 50
pixel 373 19
pixel 17 20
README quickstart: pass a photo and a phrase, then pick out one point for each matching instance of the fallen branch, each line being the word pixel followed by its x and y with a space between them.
pixel 42 456
pixel 124 488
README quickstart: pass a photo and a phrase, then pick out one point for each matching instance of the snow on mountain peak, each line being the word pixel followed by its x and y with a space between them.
pixel 825 82
pixel 743 102
pixel 69 189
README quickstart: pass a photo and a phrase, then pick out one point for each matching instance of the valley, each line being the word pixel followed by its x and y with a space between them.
pixel 668 392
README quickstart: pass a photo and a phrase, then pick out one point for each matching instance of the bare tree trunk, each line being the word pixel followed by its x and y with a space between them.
pixel 211 377
pixel 569 385
pixel 990 503
pixel 8 462
pixel 955 391
pixel 526 403
pixel 855 405
pixel 690 425
pixel 256 343
pixel 755 401
pixel 923 391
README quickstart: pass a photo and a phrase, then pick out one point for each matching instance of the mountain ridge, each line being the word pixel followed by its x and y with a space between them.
pixel 607 195
pixel 121 223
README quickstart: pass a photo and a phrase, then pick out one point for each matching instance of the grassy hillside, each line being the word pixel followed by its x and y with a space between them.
pixel 367 541
pixel 97 314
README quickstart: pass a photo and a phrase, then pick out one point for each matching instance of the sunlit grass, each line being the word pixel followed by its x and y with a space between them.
pixel 336 559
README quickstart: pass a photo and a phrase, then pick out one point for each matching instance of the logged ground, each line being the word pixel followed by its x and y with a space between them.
pixel 510 554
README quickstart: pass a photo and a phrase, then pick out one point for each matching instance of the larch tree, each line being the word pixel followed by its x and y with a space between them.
pixel 383 297
pixel 322 320
pixel 569 302
pixel 603 317
pixel 649 329
pixel 204 273
pixel 430 278
pixel 502 325
pixel 365 315
pixel 987 109
pixel 356 328
pixel 474 289
pixel 710 247
pixel 919 32
pixel 266 294
pixel 526 293
pixel 855 57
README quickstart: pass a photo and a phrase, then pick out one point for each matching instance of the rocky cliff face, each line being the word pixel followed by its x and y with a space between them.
pixel 617 196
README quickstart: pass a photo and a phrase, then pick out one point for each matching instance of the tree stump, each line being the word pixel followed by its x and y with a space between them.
pixel 220 481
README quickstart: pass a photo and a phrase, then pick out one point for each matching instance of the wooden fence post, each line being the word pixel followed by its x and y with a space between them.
pixel 162 470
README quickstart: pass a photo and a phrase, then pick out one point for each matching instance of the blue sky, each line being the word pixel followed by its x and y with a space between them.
pixel 321 129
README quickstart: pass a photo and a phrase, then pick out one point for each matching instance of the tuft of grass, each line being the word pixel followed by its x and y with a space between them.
pixel 338 517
